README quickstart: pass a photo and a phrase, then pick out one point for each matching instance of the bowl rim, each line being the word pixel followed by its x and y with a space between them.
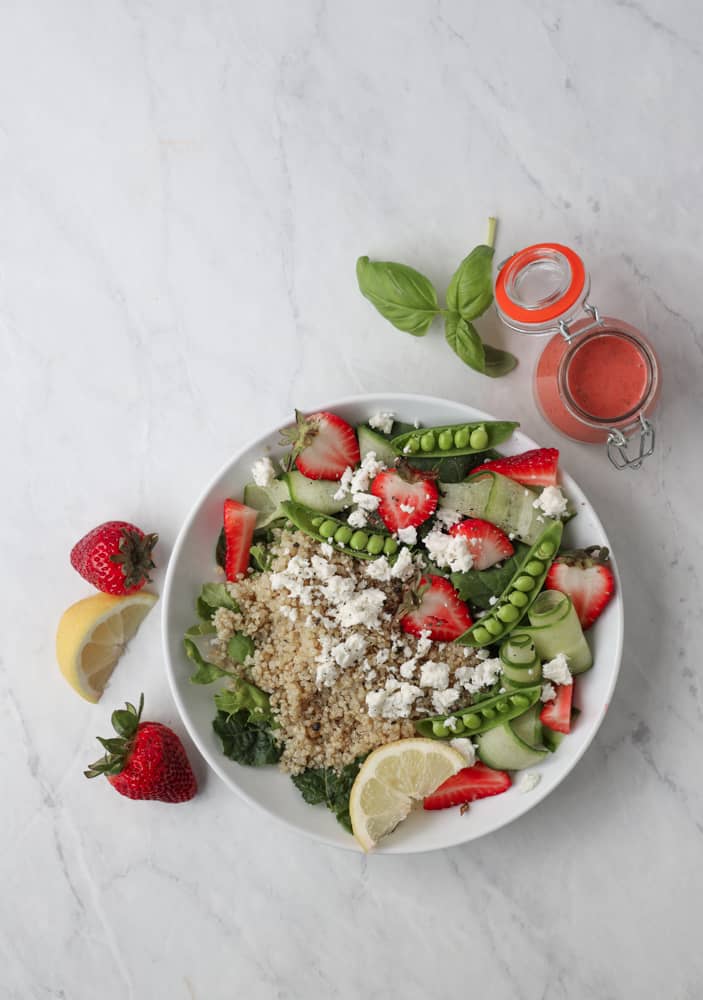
pixel 378 399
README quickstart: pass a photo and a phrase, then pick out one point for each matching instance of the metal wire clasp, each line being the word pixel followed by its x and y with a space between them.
pixel 565 331
pixel 618 444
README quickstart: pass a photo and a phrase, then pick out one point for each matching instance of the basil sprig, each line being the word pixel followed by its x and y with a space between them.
pixel 409 301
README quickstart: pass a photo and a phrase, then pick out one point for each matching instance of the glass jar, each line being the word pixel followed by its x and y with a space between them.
pixel 598 378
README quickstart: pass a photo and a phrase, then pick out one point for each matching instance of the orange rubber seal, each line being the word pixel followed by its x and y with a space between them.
pixel 555 309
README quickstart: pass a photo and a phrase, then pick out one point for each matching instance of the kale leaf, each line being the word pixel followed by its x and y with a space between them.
pixel 323 784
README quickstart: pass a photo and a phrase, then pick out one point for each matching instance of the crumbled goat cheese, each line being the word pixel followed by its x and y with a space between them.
pixel 359 481
pixel 382 421
pixel 288 612
pixel 557 670
pixel 442 701
pixel 448 517
pixel 403 568
pixel 424 643
pixel 338 589
pixel 374 702
pixel 367 501
pixel 382 656
pixel 395 701
pixel 327 550
pixel 357 518
pixel 362 609
pixel 322 569
pixel 408 536
pixel 528 781
pixel 484 674
pixel 482 654
pixel 434 675
pixel 350 651
pixel 407 508
pixel 263 472
pixel 451 722
pixel 548 693
pixel 551 502
pixel 492 601
pixel 465 748
pixel 408 668
pixel 326 674
pixel 449 550
pixel 379 569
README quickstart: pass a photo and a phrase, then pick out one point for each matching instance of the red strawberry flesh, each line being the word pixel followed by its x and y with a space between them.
pixel 407 498
pixel 556 714
pixel 467 785
pixel 487 544
pixel 538 467
pixel 239 524
pixel 323 444
pixel 587 578
pixel 441 611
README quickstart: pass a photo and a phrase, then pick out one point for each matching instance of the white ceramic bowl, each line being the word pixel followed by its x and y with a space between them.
pixel 192 563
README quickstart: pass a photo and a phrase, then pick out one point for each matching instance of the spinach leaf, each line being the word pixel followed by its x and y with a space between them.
pixel 202 628
pixel 478 586
pixel 470 290
pixel 221 549
pixel 206 672
pixel 245 697
pixel 259 558
pixel 246 741
pixel 463 339
pixel 323 784
pixel 213 596
pixel 455 469
pixel 400 293
pixel 239 647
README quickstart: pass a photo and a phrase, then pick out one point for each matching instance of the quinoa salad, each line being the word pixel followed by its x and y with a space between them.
pixel 387 583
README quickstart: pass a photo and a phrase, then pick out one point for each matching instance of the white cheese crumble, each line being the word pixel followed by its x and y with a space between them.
pixel 327 550
pixel 442 701
pixel 434 675
pixel 407 508
pixel 338 589
pixel 448 517
pixel 379 569
pixel 359 481
pixel 362 609
pixel 465 748
pixel 484 674
pixel 263 472
pixel 382 421
pixel 528 781
pixel 492 601
pixel 402 568
pixel 357 518
pixel 408 536
pixel 322 569
pixel 424 642
pixel 350 651
pixel 395 701
pixel 449 550
pixel 557 670
pixel 551 502
pixel 548 693
pixel 451 722
pixel 408 668
pixel 367 501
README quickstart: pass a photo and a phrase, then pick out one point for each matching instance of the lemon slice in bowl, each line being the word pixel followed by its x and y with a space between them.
pixel 391 779
pixel 92 635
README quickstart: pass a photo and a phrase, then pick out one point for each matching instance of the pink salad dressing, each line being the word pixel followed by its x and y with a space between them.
pixel 607 376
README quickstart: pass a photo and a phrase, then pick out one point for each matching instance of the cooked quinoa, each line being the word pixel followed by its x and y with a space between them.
pixel 342 676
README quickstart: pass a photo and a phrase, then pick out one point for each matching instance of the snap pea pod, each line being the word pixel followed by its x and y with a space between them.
pixel 362 544
pixel 480 716
pixel 453 439
pixel 515 601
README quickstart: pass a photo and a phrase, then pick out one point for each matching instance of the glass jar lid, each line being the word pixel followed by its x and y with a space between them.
pixel 540 286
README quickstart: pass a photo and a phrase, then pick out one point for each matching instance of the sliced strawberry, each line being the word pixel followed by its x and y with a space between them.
pixel 538 467
pixel 407 497
pixel 487 544
pixel 476 782
pixel 556 714
pixel 239 530
pixel 437 609
pixel 323 445
pixel 586 577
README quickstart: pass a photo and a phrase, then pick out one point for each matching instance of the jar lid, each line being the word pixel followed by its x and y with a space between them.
pixel 540 284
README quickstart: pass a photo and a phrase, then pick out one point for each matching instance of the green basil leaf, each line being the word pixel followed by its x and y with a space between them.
pixel 470 291
pixel 400 293
pixel 465 341
pixel 239 647
pixel 206 672
pixel 498 362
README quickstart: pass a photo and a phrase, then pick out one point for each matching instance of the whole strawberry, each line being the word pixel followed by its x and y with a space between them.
pixel 146 760
pixel 115 557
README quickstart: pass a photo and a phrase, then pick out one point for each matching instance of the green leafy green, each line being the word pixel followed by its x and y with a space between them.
pixel 259 558
pixel 245 740
pixel 206 672
pixel 213 596
pixel 478 586
pixel 454 469
pixel 400 293
pixel 323 784
pixel 239 647
pixel 202 628
pixel 463 339
pixel 221 549
pixel 498 362
pixel 470 290
pixel 245 697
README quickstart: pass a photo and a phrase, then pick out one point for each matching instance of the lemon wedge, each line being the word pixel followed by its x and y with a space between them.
pixel 391 779
pixel 92 635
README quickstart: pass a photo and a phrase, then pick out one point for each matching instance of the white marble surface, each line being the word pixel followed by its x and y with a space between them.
pixel 184 188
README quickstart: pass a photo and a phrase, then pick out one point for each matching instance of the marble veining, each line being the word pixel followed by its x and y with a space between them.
pixel 184 189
